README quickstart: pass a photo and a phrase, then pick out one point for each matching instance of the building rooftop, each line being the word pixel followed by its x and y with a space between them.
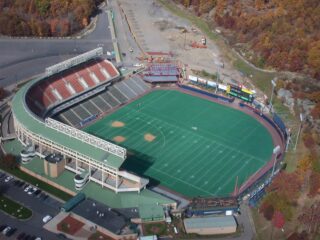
pixel 210 222
pixel 151 211
pixel 101 215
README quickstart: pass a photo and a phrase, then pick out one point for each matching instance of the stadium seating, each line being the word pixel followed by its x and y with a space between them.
pixel 112 97
pixel 70 83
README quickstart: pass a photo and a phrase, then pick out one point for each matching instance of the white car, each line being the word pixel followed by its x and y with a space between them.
pixel 32 190
pixel 46 219
pixel 27 188
pixel 7 179
pixel 6 230
pixel 138 65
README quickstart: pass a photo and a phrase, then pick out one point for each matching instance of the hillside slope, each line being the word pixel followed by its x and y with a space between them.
pixel 283 34
pixel 45 17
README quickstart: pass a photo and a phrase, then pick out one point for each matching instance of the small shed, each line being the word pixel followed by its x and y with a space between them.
pixel 153 237
pixel 210 225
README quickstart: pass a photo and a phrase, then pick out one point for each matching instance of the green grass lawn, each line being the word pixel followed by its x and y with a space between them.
pixel 159 229
pixel 188 144
pixel 14 209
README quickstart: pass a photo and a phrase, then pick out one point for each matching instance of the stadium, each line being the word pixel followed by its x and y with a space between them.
pixel 124 134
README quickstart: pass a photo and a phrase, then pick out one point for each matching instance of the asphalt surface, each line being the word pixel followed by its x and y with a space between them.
pixel 39 207
pixel 22 58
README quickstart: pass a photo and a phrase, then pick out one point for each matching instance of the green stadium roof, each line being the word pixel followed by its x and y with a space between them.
pixel 35 125
pixel 151 212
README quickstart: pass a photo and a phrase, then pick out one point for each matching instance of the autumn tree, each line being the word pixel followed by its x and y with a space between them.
pixel 310 217
pixel 314 184
pixel 267 210
pixel 287 185
pixel 279 203
pixel 298 236
pixel 45 17
pixel 9 161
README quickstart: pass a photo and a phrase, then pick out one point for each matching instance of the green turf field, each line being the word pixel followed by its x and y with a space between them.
pixel 190 145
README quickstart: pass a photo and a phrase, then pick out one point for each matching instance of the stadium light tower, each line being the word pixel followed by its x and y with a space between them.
pixel 275 152
pixel 273 83
pixel 302 117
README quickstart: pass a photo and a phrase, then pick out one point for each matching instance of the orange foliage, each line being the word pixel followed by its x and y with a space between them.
pixel 314 188
pixel 45 17
pixel 285 33
pixel 287 185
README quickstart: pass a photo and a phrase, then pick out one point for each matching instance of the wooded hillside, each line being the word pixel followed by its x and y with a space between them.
pixel 285 34
pixel 45 17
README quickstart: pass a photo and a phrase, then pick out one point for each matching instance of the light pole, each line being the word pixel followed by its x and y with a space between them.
pixel 275 152
pixel 299 131
pixel 273 83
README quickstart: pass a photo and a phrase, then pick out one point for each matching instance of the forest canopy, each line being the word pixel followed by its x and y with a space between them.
pixel 45 17
pixel 284 34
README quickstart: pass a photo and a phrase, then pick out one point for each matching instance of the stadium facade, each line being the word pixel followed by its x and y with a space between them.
pixel 60 87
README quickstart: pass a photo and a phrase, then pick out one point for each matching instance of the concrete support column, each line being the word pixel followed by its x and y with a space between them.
pixel 76 165
pixel 102 178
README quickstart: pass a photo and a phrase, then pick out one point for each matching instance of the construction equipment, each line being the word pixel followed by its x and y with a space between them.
pixel 197 45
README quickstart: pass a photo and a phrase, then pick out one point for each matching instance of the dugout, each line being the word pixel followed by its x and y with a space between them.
pixel 200 206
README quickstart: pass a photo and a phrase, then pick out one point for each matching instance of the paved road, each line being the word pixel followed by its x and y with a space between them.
pixel 39 207
pixel 23 58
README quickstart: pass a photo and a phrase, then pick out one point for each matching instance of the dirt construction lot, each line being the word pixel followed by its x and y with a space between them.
pixel 156 29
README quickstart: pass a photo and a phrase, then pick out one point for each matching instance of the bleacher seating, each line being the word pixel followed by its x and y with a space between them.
pixel 69 83
pixel 112 97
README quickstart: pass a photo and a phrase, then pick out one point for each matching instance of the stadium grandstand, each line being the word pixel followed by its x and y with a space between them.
pixel 90 82
pixel 161 73
pixel 103 102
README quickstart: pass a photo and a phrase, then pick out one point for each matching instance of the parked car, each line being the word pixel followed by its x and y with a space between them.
pixel 7 179
pixel 61 236
pixel 21 236
pixel 27 188
pixel 47 218
pixel 2 227
pixel 37 192
pixel 6 230
pixel 10 232
pixel 27 237
pixel 32 190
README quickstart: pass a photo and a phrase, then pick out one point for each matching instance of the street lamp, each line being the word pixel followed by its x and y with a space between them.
pixel 302 117
pixel 273 83
pixel 275 152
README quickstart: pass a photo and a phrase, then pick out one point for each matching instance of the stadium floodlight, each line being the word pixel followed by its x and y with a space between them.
pixel 302 117
pixel 275 152
pixel 274 84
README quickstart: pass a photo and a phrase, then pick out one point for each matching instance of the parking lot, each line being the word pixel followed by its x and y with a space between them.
pixel 33 198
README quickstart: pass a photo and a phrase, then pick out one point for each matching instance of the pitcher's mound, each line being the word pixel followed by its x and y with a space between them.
pixel 117 124
pixel 119 139
pixel 149 137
